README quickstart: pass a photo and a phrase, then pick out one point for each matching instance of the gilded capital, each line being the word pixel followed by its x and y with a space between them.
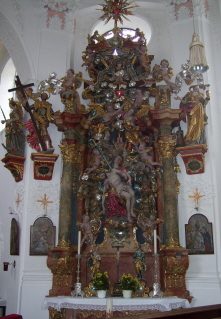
pixel 71 153
pixel 167 148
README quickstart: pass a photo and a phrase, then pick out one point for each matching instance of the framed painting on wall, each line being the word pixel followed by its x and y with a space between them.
pixel 14 238
pixel 42 237
pixel 199 235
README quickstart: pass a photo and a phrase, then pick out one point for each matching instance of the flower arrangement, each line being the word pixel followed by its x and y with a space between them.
pixel 127 282
pixel 100 281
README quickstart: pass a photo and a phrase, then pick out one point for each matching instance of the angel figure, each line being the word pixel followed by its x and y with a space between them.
pixel 15 139
pixel 143 58
pixel 163 72
pixel 145 157
pixel 88 58
pixel 96 163
pixel 148 224
pixel 87 230
pixel 139 35
pixel 111 114
pixel 68 92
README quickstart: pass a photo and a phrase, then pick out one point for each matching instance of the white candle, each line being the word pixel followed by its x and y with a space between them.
pixel 79 242
pixel 155 241
pixel 109 305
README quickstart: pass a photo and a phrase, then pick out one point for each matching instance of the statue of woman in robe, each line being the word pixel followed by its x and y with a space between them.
pixel 15 139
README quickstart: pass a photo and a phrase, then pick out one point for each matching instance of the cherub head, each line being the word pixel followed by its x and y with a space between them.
pixel 85 218
pixel 70 73
pixel 118 160
pixel 164 63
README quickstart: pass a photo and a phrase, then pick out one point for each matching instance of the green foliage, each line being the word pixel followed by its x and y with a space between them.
pixel 127 282
pixel 100 281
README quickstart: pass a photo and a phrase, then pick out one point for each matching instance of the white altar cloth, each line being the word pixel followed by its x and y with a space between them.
pixel 119 303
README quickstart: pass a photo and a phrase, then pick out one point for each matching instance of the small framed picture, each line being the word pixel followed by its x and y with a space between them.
pixel 199 235
pixel 42 237
pixel 14 238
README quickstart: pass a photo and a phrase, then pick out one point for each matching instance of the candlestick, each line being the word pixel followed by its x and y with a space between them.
pixel 77 286
pixel 79 242
pixel 156 292
pixel 109 307
pixel 155 241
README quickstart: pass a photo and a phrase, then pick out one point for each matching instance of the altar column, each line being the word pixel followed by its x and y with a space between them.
pixel 165 119
pixel 62 259
pixel 71 154
pixel 174 260
pixel 170 216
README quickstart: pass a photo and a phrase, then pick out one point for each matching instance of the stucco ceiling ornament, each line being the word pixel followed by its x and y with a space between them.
pixel 179 2
pixel 59 5
pixel 199 8
pixel 19 16
pixel 183 13
pixel 44 199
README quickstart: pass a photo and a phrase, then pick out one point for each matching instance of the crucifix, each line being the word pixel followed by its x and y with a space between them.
pixel 20 87
pixel 117 291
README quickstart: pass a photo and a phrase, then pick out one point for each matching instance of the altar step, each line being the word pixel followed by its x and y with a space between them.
pixel 205 312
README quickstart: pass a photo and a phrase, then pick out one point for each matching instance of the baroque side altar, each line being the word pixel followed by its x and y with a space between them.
pixel 119 185
pixel 119 181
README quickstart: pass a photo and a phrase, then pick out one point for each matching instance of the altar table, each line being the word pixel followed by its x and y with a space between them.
pixel 92 304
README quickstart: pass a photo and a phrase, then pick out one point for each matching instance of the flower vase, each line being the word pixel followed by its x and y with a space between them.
pixel 101 293
pixel 127 293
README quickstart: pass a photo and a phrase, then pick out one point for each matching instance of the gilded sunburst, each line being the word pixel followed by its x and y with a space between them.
pixel 116 10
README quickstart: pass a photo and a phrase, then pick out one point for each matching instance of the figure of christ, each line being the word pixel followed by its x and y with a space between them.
pixel 120 181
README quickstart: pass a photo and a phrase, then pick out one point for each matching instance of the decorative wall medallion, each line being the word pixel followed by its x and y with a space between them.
pixel 43 165
pixel 193 158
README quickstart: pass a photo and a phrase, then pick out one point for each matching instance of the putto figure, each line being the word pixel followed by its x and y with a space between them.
pixel 68 92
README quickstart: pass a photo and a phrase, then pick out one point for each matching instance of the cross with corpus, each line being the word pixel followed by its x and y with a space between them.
pixel 20 87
